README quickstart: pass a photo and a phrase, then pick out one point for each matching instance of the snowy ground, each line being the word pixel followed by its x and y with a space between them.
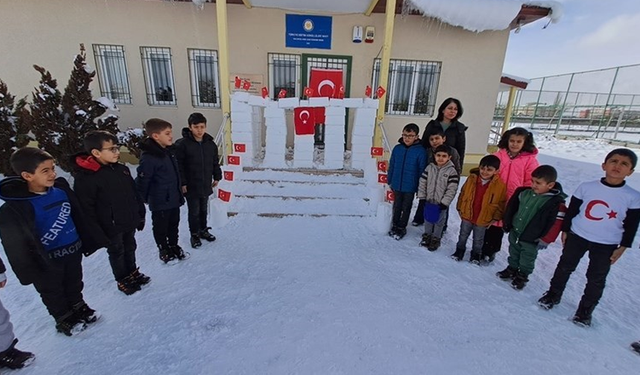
pixel 330 295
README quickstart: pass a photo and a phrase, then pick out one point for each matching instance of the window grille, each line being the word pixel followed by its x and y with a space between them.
pixel 158 75
pixel 284 73
pixel 203 66
pixel 112 73
pixel 412 86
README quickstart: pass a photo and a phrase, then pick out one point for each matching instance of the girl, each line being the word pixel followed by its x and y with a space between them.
pixel 518 158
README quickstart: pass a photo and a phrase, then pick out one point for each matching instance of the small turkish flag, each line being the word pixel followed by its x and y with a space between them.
pixel 233 160
pixel 367 91
pixel 265 92
pixel 390 196
pixel 246 84
pixel 224 195
pixel 228 175
pixel 380 92
pixel 308 92
pixel 376 151
pixel 239 147
pixel 341 92
pixel 282 93
pixel 304 120
pixel 382 178
pixel 238 82
pixel 382 166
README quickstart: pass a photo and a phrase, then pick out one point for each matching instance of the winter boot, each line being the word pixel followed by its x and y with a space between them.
pixel 195 241
pixel 426 239
pixel 393 231
pixel 128 286
pixel 85 313
pixel 178 252
pixel 635 346
pixel 13 358
pixel 582 317
pixel 458 255
pixel 206 235
pixel 139 277
pixel 474 258
pixel 165 254
pixel 507 273
pixel 434 244
pixel 70 324
pixel 519 281
pixel 549 299
pixel 400 233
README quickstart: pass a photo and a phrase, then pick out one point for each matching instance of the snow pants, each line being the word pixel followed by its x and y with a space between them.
pixel 60 285
pixel 6 329
pixel 522 255
pixel 122 254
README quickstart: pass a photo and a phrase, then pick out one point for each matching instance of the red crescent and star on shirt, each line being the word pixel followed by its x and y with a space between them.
pixel 611 214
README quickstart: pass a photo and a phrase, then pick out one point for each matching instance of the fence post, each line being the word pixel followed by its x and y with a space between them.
pixel 615 134
pixel 613 83
pixel 564 103
pixel 535 110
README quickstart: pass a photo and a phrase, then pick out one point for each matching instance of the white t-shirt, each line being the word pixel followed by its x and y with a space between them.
pixel 603 211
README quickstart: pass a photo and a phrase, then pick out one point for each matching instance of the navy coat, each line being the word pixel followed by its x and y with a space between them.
pixel 158 180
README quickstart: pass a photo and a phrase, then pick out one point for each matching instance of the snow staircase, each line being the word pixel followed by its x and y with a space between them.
pixel 300 192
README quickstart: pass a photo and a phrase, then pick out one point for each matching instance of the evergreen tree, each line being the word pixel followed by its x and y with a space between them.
pixel 131 139
pixel 15 124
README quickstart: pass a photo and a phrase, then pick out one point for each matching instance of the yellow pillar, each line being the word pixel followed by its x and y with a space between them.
pixel 509 110
pixel 223 65
pixel 384 66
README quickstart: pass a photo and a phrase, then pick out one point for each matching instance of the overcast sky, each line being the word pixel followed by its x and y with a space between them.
pixel 592 34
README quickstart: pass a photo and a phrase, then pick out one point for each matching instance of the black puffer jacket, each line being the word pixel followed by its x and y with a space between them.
pixel 20 237
pixel 198 162
pixel 158 179
pixel 455 133
pixel 108 195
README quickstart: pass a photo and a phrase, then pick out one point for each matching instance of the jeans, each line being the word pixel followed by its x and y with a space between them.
pixel 402 208
pixel 122 254
pixel 165 226
pixel 466 228
pixel 198 209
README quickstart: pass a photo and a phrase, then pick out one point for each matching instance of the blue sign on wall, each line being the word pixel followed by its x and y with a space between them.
pixel 304 31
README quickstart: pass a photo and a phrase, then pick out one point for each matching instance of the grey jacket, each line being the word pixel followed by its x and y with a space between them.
pixel 439 184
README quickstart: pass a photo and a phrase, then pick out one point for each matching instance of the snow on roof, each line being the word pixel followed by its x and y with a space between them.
pixel 516 78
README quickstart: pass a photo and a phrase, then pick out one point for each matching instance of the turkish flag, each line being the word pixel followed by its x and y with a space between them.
pixel 304 120
pixel 380 91
pixel 319 115
pixel 382 166
pixel 228 175
pixel 325 83
pixel 239 147
pixel 224 195
pixel 382 178
pixel 376 151
pixel 233 160
pixel 246 85
pixel 390 196
pixel 341 92
pixel 238 82
pixel 282 93
pixel 265 92
pixel 367 91
pixel 308 92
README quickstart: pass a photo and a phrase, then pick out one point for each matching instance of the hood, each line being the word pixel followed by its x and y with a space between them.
pixel 15 188
pixel 186 133
pixel 152 147
pixel 557 190
pixel 84 163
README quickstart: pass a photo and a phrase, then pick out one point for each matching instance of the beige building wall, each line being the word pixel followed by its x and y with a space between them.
pixel 48 33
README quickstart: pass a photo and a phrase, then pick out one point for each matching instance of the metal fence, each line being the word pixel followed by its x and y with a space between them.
pixel 599 103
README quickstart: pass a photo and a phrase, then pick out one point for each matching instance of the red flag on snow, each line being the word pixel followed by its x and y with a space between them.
pixel 390 196
pixel 382 166
pixel 304 120
pixel 224 195
pixel 376 151
pixel 382 178
pixel 239 147
pixel 233 160
pixel 228 175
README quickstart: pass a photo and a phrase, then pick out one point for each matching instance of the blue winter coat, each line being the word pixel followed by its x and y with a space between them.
pixel 158 180
pixel 406 166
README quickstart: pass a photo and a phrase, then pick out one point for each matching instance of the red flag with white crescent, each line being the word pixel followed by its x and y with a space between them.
pixel 325 83
pixel 382 178
pixel 224 195
pixel 382 166
pixel 390 196
pixel 238 82
pixel 233 160
pixel 380 92
pixel 246 84
pixel 367 91
pixel 228 175
pixel 304 120
pixel 282 94
pixel 239 147
pixel 265 92
pixel 376 151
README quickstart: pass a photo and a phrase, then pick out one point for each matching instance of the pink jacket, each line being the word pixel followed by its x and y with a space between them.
pixel 516 172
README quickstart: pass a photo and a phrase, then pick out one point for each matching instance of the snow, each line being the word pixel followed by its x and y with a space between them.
pixel 107 103
pixel 320 295
pixel 516 78
pixel 89 69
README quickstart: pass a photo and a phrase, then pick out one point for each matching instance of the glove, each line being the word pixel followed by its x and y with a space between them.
pixel 542 245
pixel 442 206
pixel 140 226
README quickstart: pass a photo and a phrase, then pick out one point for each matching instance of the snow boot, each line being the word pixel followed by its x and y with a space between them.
pixel 128 286
pixel 85 313
pixel 178 252
pixel 519 281
pixel 635 346
pixel 400 233
pixel 195 241
pixel 13 358
pixel 139 277
pixel 70 324
pixel 507 273
pixel 426 239
pixel 434 244
pixel 582 317
pixel 165 254
pixel 393 231
pixel 474 258
pixel 458 255
pixel 549 299
pixel 206 235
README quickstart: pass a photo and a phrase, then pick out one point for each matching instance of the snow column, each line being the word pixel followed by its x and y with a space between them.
pixel 276 134
pixel 362 135
pixel 242 134
pixel 334 134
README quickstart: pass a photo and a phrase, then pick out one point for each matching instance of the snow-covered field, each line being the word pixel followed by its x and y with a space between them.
pixel 330 295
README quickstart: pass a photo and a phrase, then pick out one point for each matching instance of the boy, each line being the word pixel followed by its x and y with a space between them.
pixel 158 183
pixel 44 233
pixel 109 198
pixel 10 357
pixel 602 218
pixel 533 218
pixel 438 186
pixel 200 172
pixel 408 160
pixel 436 138
pixel 481 203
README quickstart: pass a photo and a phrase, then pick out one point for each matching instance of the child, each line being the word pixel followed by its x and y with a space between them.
pixel 602 218
pixel 108 197
pixel 10 357
pixel 200 172
pixel 481 203
pixel 408 160
pixel 436 138
pixel 533 218
pixel 158 183
pixel 518 158
pixel 438 186
pixel 44 233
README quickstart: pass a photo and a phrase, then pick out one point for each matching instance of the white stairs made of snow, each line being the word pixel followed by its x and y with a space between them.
pixel 300 192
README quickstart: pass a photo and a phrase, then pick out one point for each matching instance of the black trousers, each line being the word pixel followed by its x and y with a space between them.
pixel 60 285
pixel 402 208
pixel 492 240
pixel 122 254
pixel 198 209
pixel 597 271
pixel 165 226
pixel 419 216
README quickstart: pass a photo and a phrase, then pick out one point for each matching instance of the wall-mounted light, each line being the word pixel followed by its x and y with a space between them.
pixel 357 34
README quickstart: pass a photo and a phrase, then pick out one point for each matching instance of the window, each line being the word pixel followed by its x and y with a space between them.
pixel 412 86
pixel 284 73
pixel 203 65
pixel 112 73
pixel 156 63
